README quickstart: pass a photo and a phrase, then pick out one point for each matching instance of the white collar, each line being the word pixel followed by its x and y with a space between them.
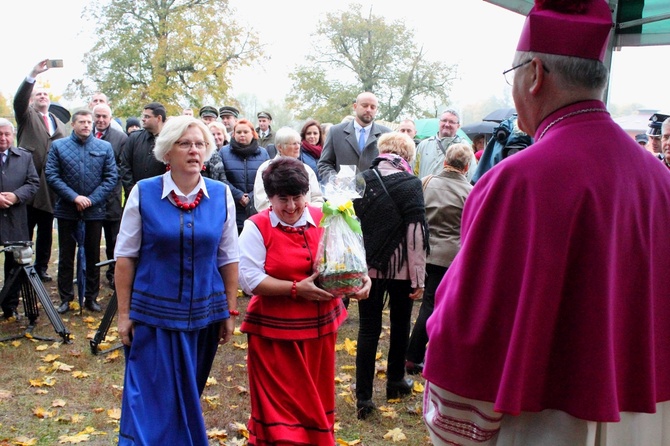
pixel 169 186
pixel 305 218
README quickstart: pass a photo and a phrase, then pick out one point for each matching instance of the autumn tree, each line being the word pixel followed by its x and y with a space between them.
pixel 355 53
pixel 177 52
pixel 5 109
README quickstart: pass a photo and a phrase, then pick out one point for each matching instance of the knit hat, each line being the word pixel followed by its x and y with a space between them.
pixel 577 28
pixel 132 121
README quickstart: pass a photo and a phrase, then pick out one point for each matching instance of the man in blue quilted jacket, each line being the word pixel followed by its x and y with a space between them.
pixel 82 171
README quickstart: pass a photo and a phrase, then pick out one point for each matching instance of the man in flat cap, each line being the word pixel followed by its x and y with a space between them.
pixel 209 114
pixel 654 133
pixel 264 129
pixel 229 117
pixel 566 340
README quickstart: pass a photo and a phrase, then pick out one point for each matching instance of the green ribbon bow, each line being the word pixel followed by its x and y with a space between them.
pixel 346 210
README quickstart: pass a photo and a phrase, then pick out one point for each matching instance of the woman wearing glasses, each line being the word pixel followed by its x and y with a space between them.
pixel 176 281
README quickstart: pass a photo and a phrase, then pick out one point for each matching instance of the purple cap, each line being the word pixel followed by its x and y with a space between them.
pixel 577 28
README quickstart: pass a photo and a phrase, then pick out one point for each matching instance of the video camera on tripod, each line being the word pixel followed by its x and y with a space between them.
pixel 24 278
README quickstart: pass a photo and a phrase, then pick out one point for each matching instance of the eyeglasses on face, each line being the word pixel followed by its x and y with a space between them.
pixel 509 73
pixel 188 144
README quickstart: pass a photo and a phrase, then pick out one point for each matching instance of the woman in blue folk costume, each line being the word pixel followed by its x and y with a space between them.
pixel 176 281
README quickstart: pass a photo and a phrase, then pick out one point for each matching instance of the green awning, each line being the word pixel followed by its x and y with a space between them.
pixel 638 22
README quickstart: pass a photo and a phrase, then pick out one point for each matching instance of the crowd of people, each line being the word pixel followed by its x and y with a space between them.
pixel 544 304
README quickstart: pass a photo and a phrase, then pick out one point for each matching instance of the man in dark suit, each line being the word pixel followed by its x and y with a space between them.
pixel 102 116
pixel 137 160
pixel 18 183
pixel 354 142
pixel 37 129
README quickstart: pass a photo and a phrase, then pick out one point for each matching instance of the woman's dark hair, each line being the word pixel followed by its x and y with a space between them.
pixel 285 176
pixel 308 124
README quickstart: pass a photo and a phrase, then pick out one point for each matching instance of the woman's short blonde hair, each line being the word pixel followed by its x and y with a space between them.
pixel 174 128
pixel 398 143
pixel 458 156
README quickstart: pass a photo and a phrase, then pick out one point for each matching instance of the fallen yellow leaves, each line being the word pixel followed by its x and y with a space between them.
pixel 212 401
pixel 211 381
pixel 395 435
pixel 24 441
pixel 342 442
pixel 58 403
pixel 112 356
pixel 50 358
pixel 219 434
pixel 241 345
pixel 80 437
pixel 114 414
pixel 46 381
pixel 418 387
pixel 79 374
pixel 40 412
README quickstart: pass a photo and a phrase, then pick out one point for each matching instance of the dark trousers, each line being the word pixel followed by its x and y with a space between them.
pixel 111 228
pixel 370 328
pixel 67 247
pixel 417 342
pixel 12 300
pixel 44 222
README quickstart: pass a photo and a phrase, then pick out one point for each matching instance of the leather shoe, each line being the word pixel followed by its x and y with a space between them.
pixel 92 305
pixel 398 389
pixel 44 276
pixel 8 314
pixel 63 308
pixel 364 408
pixel 412 368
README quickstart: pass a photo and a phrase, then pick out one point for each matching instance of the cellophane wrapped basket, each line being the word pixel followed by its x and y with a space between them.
pixel 340 258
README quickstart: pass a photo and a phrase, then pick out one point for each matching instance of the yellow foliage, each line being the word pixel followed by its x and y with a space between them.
pixel 114 414
pixel 211 381
pixel 73 439
pixel 16 343
pixel 395 435
pixel 50 358
pixel 79 374
pixel 241 345
pixel 58 403
pixel 41 347
pixel 24 441
pixel 217 433
pixel 418 387
pixel 350 347
pixel 40 412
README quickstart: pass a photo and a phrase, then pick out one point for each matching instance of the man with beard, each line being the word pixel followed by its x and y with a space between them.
pixel 431 152
pixel 353 143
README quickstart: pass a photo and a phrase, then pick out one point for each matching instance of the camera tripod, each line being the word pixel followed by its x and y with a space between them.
pixel 23 277
pixel 106 322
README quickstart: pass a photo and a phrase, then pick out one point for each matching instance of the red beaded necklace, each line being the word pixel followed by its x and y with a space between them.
pixel 187 206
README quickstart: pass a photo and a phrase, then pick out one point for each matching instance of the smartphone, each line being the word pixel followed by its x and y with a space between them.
pixel 55 63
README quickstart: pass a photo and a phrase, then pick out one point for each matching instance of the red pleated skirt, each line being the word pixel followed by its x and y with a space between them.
pixel 292 389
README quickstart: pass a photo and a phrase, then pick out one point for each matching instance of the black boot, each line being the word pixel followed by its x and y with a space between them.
pixel 364 408
pixel 398 389
pixel 64 307
pixel 92 305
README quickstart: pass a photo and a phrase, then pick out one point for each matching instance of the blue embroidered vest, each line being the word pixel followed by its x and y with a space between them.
pixel 177 283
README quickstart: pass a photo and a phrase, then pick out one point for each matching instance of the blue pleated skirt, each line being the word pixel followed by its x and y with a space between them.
pixel 165 375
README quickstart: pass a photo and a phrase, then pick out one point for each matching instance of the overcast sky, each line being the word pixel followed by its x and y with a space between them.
pixel 479 37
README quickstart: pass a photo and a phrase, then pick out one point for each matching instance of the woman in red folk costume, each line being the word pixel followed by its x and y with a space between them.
pixel 291 323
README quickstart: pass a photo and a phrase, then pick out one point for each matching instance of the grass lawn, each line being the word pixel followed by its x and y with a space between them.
pixel 54 393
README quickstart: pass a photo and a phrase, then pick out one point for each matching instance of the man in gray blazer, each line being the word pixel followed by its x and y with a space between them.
pixel 105 130
pixel 352 143
pixel 37 129
pixel 18 184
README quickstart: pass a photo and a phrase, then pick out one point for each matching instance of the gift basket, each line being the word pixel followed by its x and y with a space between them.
pixel 340 258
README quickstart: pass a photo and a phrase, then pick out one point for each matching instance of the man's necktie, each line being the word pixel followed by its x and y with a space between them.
pixel 46 123
pixel 98 135
pixel 361 140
